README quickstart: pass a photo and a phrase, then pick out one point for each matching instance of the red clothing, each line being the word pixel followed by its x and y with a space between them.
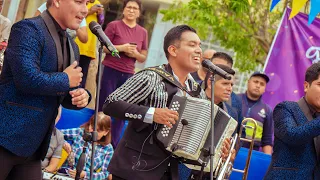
pixel 119 33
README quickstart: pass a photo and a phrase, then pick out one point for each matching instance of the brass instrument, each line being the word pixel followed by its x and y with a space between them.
pixel 224 169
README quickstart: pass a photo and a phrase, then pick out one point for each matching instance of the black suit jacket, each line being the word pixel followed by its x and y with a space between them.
pixel 138 155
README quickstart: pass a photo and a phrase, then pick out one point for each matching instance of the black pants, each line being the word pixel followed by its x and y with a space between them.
pixel 13 167
pixel 84 63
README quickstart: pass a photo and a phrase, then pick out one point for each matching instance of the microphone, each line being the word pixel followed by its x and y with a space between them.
pixel 81 162
pixel 215 69
pixel 176 146
pixel 96 29
pixel 184 122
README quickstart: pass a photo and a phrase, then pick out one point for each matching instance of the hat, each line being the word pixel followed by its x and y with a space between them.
pixel 261 74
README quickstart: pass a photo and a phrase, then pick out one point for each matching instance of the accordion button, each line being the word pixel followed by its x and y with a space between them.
pixel 126 114
pixel 135 116
pixel 130 115
pixel 139 116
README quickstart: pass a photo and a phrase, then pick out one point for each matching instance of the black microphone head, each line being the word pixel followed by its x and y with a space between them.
pixel 205 63
pixel 94 26
pixel 174 147
pixel 184 122
pixel 220 69
pixel 87 136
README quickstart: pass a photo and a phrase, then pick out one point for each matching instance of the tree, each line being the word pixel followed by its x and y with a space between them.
pixel 246 29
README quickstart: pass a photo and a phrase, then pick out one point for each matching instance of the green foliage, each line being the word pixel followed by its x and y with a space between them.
pixel 247 30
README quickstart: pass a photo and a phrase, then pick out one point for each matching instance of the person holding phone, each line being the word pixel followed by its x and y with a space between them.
pixel 88 49
pixel 131 40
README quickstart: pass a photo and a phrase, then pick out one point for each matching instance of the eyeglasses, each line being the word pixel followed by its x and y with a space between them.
pixel 132 8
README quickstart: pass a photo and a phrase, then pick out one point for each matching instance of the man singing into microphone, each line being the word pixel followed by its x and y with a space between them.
pixel 39 73
pixel 143 100
pixel 222 93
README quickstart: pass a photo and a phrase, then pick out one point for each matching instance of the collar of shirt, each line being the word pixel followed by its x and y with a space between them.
pixel 312 110
pixel 249 102
pixel 60 31
pixel 187 85
pixel 220 105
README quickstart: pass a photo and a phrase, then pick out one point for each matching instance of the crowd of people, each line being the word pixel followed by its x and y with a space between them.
pixel 46 66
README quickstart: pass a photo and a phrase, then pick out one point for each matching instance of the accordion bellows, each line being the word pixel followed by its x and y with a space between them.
pixel 191 133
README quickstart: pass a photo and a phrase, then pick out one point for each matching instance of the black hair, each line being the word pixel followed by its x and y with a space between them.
pixel 221 66
pixel 223 56
pixel 312 73
pixel 137 1
pixel 174 35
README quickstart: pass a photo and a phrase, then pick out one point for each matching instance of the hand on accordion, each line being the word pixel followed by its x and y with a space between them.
pixel 165 116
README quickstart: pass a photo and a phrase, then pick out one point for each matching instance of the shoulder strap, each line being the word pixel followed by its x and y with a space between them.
pixel 167 76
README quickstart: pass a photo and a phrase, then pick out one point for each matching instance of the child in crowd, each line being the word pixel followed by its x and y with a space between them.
pixel 51 161
pixel 104 149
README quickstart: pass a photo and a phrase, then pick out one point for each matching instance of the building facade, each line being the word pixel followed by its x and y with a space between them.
pixel 150 18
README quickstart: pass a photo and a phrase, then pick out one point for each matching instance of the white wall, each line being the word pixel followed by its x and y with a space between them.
pixel 156 54
pixel 13 9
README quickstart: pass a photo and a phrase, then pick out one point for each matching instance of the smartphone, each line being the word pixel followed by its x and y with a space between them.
pixel 133 43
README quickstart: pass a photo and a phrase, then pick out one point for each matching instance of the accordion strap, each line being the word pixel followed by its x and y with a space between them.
pixel 166 75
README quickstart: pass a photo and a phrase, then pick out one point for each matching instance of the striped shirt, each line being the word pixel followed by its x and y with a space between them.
pixel 102 156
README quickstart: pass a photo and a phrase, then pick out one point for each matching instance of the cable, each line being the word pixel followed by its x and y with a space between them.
pixel 138 163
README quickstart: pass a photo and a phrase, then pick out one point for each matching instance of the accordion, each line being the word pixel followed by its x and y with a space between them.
pixel 49 176
pixel 191 133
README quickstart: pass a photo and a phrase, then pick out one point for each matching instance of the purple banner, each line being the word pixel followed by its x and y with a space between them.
pixel 296 47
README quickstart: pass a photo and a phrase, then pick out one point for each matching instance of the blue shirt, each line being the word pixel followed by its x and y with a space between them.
pixel 102 156
pixel 262 113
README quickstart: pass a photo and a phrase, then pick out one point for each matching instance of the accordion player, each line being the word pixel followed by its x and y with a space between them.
pixel 191 134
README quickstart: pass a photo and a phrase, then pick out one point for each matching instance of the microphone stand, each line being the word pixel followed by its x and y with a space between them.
pixel 95 133
pixel 212 148
pixel 82 161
